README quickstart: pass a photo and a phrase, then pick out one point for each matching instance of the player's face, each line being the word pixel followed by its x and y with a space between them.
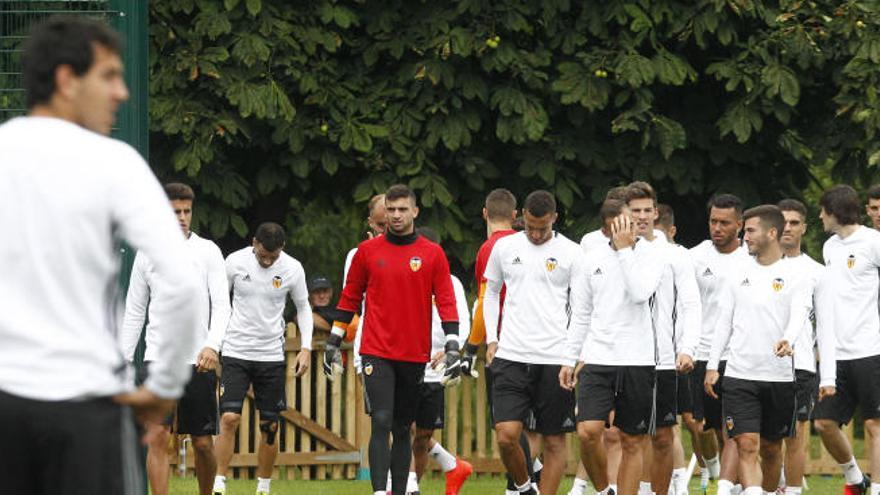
pixel 378 219
pixel 97 94
pixel 756 237
pixel 724 226
pixel 873 210
pixel 643 214
pixel 795 228
pixel 401 213
pixel 321 297
pixel 265 257
pixel 184 213
pixel 538 229
pixel 829 223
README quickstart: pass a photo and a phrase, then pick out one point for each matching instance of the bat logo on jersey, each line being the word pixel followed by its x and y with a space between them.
pixel 850 261
pixel 778 284
pixel 276 282
pixel 415 263
pixel 368 369
pixel 551 264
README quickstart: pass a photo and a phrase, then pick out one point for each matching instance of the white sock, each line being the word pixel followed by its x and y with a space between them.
pixel 219 482
pixel 388 483
pixel 851 472
pixel 506 492
pixel 524 487
pixel 263 484
pixel 781 477
pixel 608 490
pixel 412 482
pixel 444 459
pixel 381 493
pixel 613 486
pixel 644 488
pixel 713 465
pixel 537 465
pixel 753 490
pixel 704 477
pixel 578 487
pixel 738 489
pixel 725 487
pixel 793 490
pixel 875 488
pixel 679 484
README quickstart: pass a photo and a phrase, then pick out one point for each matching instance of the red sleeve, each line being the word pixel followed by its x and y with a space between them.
pixel 353 291
pixel 444 295
pixel 480 265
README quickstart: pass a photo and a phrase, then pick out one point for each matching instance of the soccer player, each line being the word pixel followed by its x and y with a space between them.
pixel 261 277
pixel 806 379
pixel 714 260
pixel 537 267
pixel 197 409
pixel 872 208
pixel 612 336
pixel 398 273
pixel 849 293
pixel 70 194
pixel 763 309
pixel 676 318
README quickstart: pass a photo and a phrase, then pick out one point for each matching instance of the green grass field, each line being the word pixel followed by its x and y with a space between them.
pixel 818 485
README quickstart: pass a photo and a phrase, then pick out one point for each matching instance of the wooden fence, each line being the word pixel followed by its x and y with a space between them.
pixel 325 431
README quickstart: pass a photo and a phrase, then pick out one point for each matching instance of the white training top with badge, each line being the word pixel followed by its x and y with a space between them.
pixel 211 299
pixel 677 308
pixel 710 268
pixel 438 336
pixel 853 284
pixel 597 238
pixel 759 306
pixel 256 328
pixel 611 307
pixel 536 304
pixel 804 355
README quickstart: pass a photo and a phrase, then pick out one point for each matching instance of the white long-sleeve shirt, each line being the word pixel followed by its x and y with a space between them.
pixel 68 196
pixel 826 340
pixel 804 355
pixel 853 281
pixel 597 238
pixel 611 307
pixel 759 306
pixel 677 308
pixel 438 336
pixel 211 299
pixel 256 327
pixel 710 268
pixel 536 302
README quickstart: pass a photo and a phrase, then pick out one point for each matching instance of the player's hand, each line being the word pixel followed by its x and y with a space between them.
pixel 684 363
pixel 303 361
pixel 825 392
pixel 207 360
pixel 622 233
pixel 567 377
pixel 451 365
pixel 333 357
pixel 469 361
pixel 149 408
pixel 491 349
pixel 710 381
pixel 783 348
pixel 437 360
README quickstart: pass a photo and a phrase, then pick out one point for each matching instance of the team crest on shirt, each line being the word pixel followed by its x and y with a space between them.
pixel 222 389
pixel 415 263
pixel 778 284
pixel 368 369
pixel 729 423
pixel 850 261
pixel 551 264
pixel 276 282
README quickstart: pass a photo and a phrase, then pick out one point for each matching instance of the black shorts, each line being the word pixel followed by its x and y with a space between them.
pixel 87 447
pixel 806 389
pixel 626 390
pixel 267 378
pixel 858 384
pixel 667 402
pixel 392 385
pixel 705 406
pixel 683 394
pixel 519 389
pixel 432 406
pixel 766 408
pixel 197 407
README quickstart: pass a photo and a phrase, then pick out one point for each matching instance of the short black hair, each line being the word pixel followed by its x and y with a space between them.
pixel 429 234
pixel 540 203
pixel 770 217
pixel 665 215
pixel 789 204
pixel 398 191
pixel 725 201
pixel 842 201
pixel 500 204
pixel 874 192
pixel 271 236
pixel 62 40
pixel 611 208
pixel 179 190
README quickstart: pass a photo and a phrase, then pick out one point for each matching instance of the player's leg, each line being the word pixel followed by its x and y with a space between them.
pixel 511 399
pixel 197 417
pixel 421 444
pixel 158 467
pixel 554 418
pixel 662 443
pixel 487 371
pixel 595 400
pixel 270 399
pixel 379 378
pixel 704 437
pixel 778 421
pixel 407 386
pixel 234 383
pixel 796 447
pixel 205 462
pixel 633 408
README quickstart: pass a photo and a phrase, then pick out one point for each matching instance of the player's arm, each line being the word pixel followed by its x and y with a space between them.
pixel 349 301
pixel 798 316
pixel 688 307
pixel 136 303
pixel 723 331
pixel 218 290
pixel 581 303
pixel 299 294
pixel 464 316
pixel 826 338
pixel 494 276
pixel 447 308
pixel 642 268
pixel 478 326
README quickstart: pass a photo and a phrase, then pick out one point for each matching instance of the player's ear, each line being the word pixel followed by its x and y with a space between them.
pixel 415 211
pixel 485 214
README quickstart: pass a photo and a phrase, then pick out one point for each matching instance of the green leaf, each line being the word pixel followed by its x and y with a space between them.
pixel 253 6
pixel 670 134
pixel 329 162
pixel 300 167
pixel 781 81
pixel 361 140
pixel 741 120
pixel 238 225
pixel 230 4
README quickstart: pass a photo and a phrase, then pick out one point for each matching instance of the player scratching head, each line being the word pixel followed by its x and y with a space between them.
pixel 763 228
pixel 725 221
pixel 181 197
pixel 539 215
pixel 611 209
pixel 268 243
pixel 401 210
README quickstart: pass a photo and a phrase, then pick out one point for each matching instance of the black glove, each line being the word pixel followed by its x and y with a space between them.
pixel 469 361
pixel 451 365
pixel 333 357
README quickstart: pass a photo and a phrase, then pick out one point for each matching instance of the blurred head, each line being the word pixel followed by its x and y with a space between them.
pixel 181 197
pixel 666 221
pixel 611 209
pixel 618 193
pixel 763 228
pixel 72 70
pixel 642 202
pixel 268 242
pixel 320 291
pixel 539 215
pixel 795 214
pixel 500 206
pixel 401 209
pixel 725 219
pixel 377 219
pixel 872 208
pixel 840 207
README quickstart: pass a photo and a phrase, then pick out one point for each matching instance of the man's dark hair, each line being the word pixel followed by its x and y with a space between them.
pixel 640 190
pixel 398 191
pixel 770 217
pixel 500 204
pixel 540 203
pixel 611 208
pixel 665 215
pixel 874 192
pixel 724 202
pixel 429 234
pixel 271 236
pixel 179 190
pixel 843 202
pixel 62 40
pixel 789 204
pixel 617 192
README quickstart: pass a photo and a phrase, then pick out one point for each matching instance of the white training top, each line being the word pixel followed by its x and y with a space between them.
pixel 611 307
pixel 759 306
pixel 677 308
pixel 256 328
pixel 710 268
pixel 68 196
pixel 536 304
pixel 804 356
pixel 211 298
pixel 853 282
pixel 438 336
pixel 597 238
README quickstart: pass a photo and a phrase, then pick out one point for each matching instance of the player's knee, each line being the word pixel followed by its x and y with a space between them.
pixel 631 444
pixel 382 420
pixel 746 444
pixel 554 444
pixel 771 451
pixel 825 426
pixel 590 434
pixel 159 442
pixel 230 420
pixel 269 425
pixel 203 444
pixel 662 440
